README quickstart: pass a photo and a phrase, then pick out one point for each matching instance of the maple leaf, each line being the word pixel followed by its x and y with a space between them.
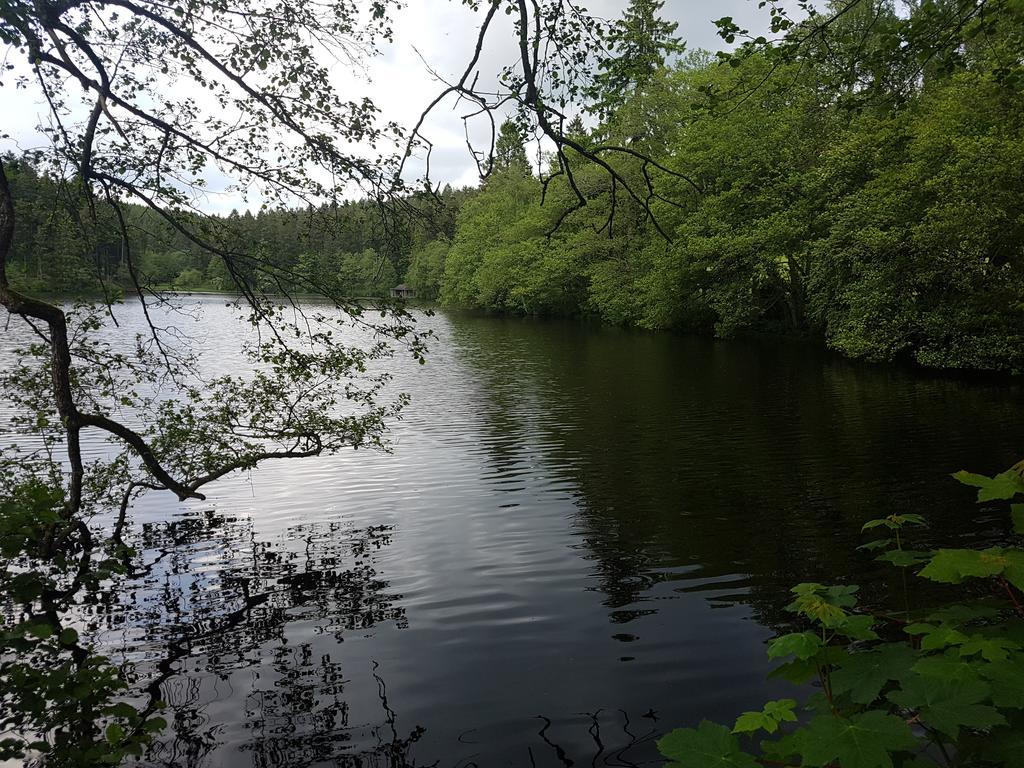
pixel 867 740
pixel 709 744
pixel 864 675
pixel 948 705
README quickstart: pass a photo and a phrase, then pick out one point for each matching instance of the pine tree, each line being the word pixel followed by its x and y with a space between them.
pixel 576 129
pixel 641 42
pixel 509 149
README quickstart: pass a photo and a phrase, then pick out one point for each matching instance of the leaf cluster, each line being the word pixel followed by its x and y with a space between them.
pixel 933 687
pixel 60 701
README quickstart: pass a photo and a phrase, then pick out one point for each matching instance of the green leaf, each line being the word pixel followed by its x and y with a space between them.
pixel 952 566
pixel 1007 681
pixel 1017 514
pixel 749 722
pixel 877 523
pixel 990 648
pixel 842 596
pixel 115 733
pixel 81 691
pixel 1005 485
pixel 797 672
pixel 1014 570
pixel 862 741
pixel 783 748
pixel 68 637
pixel 803 645
pixel 857 627
pixel 768 719
pixel 947 667
pixel 708 744
pixel 971 478
pixel 948 705
pixel 800 671
pixel 823 604
pixel 864 675
pixel 25 587
pixel 936 637
pixel 39 629
pixel 903 558
pixel 893 522
pixel 781 710
pixel 121 709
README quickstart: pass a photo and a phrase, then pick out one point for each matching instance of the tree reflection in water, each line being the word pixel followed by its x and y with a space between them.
pixel 216 601
pixel 236 643
pixel 182 608
pixel 619 755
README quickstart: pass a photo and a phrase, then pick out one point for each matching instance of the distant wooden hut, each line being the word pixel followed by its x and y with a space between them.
pixel 403 291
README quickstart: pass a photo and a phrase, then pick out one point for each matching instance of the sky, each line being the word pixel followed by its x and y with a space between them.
pixel 440 33
pixel 445 40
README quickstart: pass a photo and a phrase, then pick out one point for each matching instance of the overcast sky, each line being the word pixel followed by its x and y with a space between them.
pixel 443 33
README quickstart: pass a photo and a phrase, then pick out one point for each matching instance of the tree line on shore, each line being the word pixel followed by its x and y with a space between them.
pixel 351 248
pixel 843 190
pixel 842 193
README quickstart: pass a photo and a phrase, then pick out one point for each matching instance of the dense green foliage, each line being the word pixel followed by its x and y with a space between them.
pixel 850 184
pixel 831 191
pixel 855 188
pixel 640 41
pixel 907 687
pixel 351 250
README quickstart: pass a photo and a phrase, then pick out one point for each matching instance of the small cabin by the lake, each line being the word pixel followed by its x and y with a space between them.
pixel 403 291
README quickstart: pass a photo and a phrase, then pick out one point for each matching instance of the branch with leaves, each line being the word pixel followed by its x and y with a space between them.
pixel 943 685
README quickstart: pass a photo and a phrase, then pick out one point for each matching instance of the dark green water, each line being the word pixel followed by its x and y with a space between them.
pixel 583 538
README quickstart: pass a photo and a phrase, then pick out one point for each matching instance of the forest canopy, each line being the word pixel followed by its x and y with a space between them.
pixel 839 189
pixel 855 180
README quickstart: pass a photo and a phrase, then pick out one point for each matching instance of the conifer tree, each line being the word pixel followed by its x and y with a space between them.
pixel 509 149
pixel 576 129
pixel 640 42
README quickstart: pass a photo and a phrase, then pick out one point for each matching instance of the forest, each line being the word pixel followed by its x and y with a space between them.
pixel 844 192
pixel 871 207
pixel 354 248
pixel 256 529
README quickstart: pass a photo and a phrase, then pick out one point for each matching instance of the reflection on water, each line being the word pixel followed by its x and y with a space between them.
pixel 583 538
pixel 215 618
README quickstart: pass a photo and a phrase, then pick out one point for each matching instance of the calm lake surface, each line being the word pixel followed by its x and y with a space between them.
pixel 583 538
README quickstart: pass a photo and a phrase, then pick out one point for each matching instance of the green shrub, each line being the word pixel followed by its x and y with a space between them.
pixel 923 688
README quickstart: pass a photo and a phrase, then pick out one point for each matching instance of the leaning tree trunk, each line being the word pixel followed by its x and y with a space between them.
pixel 71 417
pixel 60 353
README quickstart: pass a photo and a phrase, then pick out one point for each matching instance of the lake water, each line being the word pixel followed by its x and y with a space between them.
pixel 584 537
